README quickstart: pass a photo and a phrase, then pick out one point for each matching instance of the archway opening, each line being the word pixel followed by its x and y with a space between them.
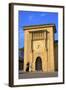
pixel 38 64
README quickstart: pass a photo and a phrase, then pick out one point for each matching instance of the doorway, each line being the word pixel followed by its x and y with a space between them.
pixel 38 64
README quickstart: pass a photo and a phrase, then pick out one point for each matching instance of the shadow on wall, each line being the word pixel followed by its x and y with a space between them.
pixel 56 55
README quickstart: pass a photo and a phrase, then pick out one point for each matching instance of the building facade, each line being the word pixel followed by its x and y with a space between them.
pixel 39 48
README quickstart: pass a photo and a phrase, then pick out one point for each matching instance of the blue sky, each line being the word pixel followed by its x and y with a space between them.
pixel 35 18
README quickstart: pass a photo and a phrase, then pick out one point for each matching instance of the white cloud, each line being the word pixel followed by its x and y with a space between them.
pixel 42 14
pixel 30 17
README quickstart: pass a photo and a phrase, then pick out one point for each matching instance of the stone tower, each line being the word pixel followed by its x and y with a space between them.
pixel 39 48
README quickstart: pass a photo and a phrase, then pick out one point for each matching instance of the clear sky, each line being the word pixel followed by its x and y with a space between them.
pixel 35 18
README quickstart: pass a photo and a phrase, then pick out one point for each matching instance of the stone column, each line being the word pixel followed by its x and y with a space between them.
pixel 51 51
pixel 25 50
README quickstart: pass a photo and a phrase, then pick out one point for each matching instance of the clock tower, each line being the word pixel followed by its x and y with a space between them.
pixel 39 48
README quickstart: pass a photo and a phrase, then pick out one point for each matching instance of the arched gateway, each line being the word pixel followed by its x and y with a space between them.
pixel 38 64
pixel 39 48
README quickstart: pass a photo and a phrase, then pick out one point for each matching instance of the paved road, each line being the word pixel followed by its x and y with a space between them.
pixel 25 75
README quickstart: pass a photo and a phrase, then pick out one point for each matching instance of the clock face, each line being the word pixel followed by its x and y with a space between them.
pixel 38 45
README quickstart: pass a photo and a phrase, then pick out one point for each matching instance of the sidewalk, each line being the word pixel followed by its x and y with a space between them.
pixel 39 74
